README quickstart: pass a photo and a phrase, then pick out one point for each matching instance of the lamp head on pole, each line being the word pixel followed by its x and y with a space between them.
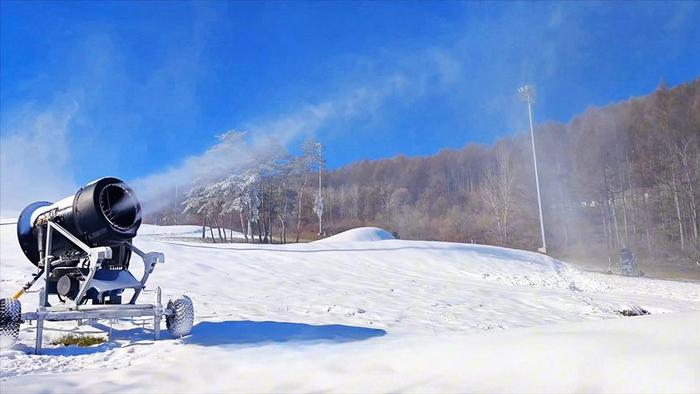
pixel 527 93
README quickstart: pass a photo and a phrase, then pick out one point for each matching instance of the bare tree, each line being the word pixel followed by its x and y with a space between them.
pixel 497 191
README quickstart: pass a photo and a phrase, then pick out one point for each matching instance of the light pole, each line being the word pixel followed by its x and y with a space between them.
pixel 527 93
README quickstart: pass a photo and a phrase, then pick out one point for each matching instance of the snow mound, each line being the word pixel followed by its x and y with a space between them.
pixel 360 234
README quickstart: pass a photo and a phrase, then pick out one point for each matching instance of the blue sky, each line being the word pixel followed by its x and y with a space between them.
pixel 142 89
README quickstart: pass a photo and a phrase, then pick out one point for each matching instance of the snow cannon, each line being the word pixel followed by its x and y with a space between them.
pixel 104 213
pixel 81 246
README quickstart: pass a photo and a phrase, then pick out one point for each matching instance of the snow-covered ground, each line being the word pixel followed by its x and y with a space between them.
pixel 364 312
pixel 182 231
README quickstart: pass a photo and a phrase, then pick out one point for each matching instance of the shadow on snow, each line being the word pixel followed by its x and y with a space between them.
pixel 254 332
pixel 220 334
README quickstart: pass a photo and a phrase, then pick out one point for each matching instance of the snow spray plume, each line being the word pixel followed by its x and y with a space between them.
pixel 35 157
pixel 230 154
pixel 235 151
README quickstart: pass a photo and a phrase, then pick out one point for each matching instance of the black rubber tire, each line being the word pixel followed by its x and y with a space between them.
pixel 180 322
pixel 10 319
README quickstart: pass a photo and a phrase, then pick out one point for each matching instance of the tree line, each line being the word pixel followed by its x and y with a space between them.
pixel 625 175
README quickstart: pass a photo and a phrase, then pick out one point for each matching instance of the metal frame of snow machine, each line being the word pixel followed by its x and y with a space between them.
pixel 178 313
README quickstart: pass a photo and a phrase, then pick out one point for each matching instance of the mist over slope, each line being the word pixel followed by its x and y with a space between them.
pixel 621 175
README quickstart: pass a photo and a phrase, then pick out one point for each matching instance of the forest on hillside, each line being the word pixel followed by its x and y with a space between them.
pixel 625 175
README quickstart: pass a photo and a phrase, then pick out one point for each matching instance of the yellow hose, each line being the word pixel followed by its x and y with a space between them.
pixel 28 285
pixel 18 294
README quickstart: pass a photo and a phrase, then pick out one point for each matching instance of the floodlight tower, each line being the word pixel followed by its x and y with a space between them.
pixel 527 94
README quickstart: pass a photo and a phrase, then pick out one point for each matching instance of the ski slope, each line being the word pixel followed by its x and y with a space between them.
pixel 361 311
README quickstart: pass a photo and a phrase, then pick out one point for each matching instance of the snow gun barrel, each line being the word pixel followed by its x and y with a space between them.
pixel 104 212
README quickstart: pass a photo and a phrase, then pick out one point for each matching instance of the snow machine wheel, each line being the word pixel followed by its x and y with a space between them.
pixel 180 322
pixel 10 319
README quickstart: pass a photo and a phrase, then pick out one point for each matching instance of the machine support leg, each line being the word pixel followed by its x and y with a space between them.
pixel 39 335
pixel 47 267
pixel 156 327
pixel 157 315
pixel 39 320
